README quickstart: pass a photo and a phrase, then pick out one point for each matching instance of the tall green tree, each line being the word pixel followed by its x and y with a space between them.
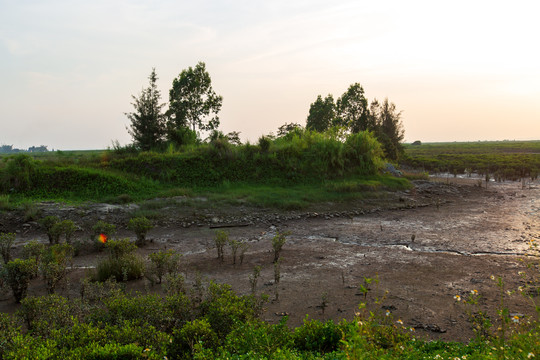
pixel 192 101
pixel 388 127
pixel 322 114
pixel 147 121
pixel 352 109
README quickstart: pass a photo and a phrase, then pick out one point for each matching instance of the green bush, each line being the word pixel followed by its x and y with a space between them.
pixel 162 263
pixel 259 338
pixel 53 231
pixel 141 226
pixel 121 263
pixel 198 332
pixel 54 264
pixel 6 242
pixel 43 314
pixel 18 173
pixel 317 336
pixel 17 274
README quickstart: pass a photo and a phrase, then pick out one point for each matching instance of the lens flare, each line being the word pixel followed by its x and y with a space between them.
pixel 102 238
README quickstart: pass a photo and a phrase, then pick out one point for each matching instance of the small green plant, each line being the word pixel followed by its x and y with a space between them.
pixel 141 226
pixel 324 301
pixel 68 229
pixel 102 227
pixel 31 211
pixel 4 202
pixel 234 244
pixel 6 242
pixel 277 271
pixel 253 278
pixel 174 284
pixel 54 265
pixel 479 320
pixel 243 248
pixel 221 238
pixel 121 264
pixel 64 227
pixel 17 274
pixel 53 232
pixel 277 243
pixel 34 250
pixel 163 262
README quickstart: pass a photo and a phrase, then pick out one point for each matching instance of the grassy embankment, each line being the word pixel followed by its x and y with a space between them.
pixel 287 173
pixel 501 160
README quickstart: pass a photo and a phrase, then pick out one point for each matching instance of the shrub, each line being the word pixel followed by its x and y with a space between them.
pixel 318 336
pixel 6 242
pixel 4 202
pixel 277 244
pixel 31 211
pixel 17 174
pixel 42 314
pixel 141 226
pixel 68 229
pixel 222 237
pixel 121 263
pixel 8 330
pixel 259 338
pixel 197 332
pixel 54 263
pixel 162 263
pixel 17 274
pixel 235 245
pixel 102 227
pixel 53 232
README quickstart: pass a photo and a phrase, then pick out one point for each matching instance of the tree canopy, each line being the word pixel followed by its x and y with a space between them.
pixel 351 113
pixel 147 121
pixel 192 101
pixel 322 114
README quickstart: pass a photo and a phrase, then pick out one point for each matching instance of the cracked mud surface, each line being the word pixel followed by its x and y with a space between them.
pixel 472 234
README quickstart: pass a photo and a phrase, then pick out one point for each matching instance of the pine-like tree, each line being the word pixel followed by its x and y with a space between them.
pixel 147 122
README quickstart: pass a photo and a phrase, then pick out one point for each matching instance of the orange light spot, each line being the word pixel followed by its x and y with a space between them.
pixel 102 238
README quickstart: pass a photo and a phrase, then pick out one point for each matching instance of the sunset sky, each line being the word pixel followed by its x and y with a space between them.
pixel 459 70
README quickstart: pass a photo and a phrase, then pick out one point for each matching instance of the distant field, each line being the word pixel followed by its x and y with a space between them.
pixel 509 160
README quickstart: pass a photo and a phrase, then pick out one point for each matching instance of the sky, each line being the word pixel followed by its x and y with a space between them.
pixel 459 70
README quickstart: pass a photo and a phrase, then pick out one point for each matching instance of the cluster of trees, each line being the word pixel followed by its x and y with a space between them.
pixel 351 111
pixel 194 107
pixel 9 149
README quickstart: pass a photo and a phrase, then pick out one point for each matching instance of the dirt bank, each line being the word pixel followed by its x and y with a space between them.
pixel 425 246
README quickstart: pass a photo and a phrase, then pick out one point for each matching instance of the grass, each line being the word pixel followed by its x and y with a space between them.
pixel 502 160
pixel 301 196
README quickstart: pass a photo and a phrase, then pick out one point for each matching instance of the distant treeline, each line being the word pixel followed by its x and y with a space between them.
pixel 8 149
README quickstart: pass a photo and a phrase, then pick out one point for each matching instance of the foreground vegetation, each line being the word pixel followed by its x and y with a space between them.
pixel 501 160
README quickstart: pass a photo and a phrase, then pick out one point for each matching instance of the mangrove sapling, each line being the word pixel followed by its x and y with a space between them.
pixel 234 244
pixel 324 301
pixel 253 278
pixel 54 265
pixel 101 232
pixel 102 227
pixel 34 250
pixel 277 243
pixel 277 272
pixel 162 263
pixel 48 223
pixel 68 229
pixel 174 284
pixel 17 274
pixel 222 237
pixel 6 242
pixel 140 225
pixel 243 248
